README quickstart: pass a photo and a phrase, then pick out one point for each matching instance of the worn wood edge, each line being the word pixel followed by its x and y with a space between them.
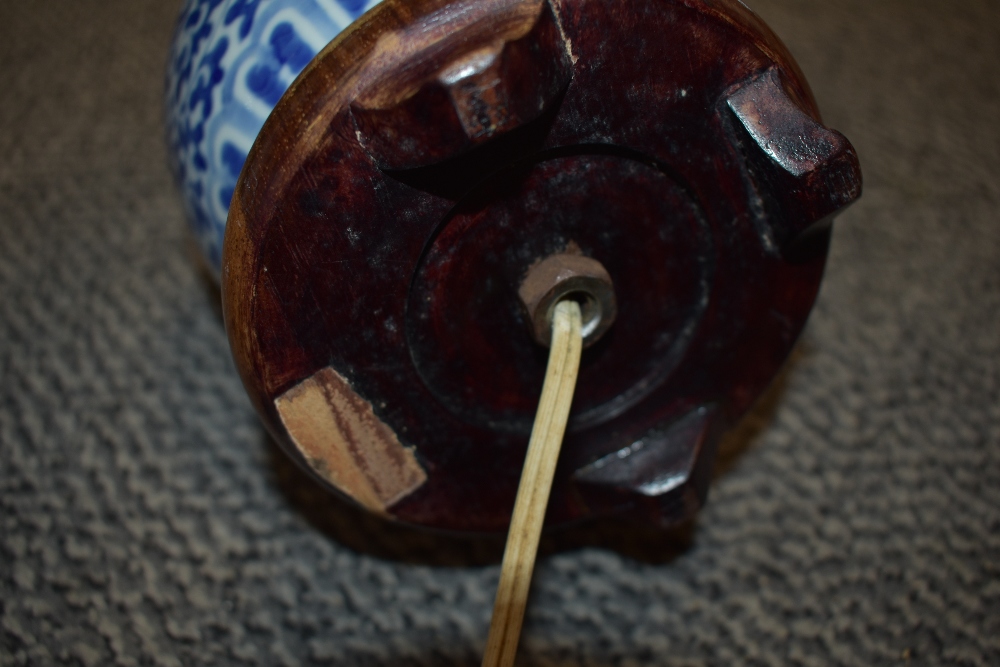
pixel 536 484
pixel 342 439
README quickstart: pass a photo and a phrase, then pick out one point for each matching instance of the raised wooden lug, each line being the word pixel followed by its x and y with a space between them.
pixel 661 475
pixel 803 172
pixel 462 86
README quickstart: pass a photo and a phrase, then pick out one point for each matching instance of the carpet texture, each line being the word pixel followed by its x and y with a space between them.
pixel 147 519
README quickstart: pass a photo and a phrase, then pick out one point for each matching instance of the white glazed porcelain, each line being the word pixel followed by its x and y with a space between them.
pixel 230 62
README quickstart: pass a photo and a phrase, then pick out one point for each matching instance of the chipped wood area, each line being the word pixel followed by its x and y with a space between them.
pixel 342 439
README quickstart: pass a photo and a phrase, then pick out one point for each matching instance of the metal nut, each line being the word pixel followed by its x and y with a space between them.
pixel 566 276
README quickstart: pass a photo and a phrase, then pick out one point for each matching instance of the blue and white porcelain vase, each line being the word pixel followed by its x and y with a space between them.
pixel 230 62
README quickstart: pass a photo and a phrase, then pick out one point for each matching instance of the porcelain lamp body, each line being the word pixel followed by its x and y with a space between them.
pixel 230 62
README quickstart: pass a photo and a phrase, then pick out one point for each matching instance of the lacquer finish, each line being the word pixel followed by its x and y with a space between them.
pixel 681 149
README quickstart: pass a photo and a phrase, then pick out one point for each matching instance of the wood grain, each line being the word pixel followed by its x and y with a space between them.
pixel 536 483
pixel 342 439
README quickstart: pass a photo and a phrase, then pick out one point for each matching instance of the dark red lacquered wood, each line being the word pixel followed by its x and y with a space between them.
pixel 685 154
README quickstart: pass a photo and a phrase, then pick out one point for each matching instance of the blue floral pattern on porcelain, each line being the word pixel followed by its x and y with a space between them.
pixel 230 62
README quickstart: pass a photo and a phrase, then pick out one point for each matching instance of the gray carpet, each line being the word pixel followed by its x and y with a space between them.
pixel 147 520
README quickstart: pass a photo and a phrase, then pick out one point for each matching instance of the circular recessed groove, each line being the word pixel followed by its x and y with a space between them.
pixel 651 256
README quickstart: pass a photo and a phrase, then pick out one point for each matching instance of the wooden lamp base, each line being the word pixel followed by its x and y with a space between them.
pixel 431 156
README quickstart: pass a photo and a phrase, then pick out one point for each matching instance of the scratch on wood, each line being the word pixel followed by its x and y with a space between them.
pixel 557 11
pixel 342 439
